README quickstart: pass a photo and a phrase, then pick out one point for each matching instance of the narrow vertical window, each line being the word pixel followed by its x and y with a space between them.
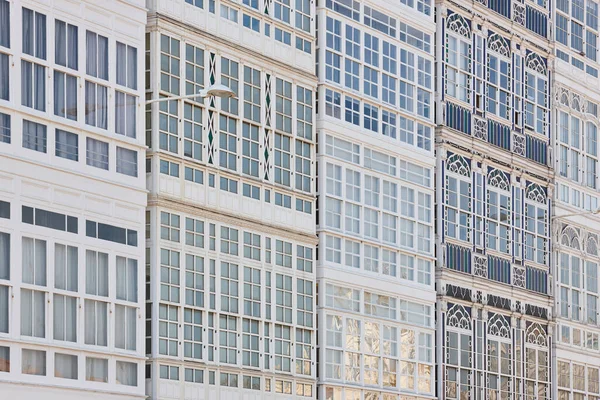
pixel 66 50
pixel 127 66
pixel 97 55
pixel 65 95
pixel 34 33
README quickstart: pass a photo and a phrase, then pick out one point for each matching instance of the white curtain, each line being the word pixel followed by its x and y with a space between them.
pixel 132 67
pixel 92 54
pixel 33 313
pixel 131 328
pixel 96 323
pixel 27 31
pixel 33 362
pixel 65 267
pixel 39 78
pixel 126 279
pixel 122 64
pixel 130 102
pixel 3 312
pixel 132 280
pixel 97 153
pixel 65 366
pixel 90 322
pixel 91 271
pixel 73 50
pixel 126 161
pixel 125 327
pixel 120 117
pixel 26 312
pixel 96 369
pixel 5 23
pixel 125 122
pixel 65 318
pixel 28 260
pixel 60 265
pixel 121 278
pixel 71 93
pixel 96 105
pixel 102 107
pixel 4 68
pixel 59 317
pixel 72 268
pixel 120 326
pixel 59 93
pixel 96 273
pixel 34 136
pixel 26 83
pixel 126 65
pixel 40 263
pixel 126 373
pixel 102 323
pixel 102 274
pixel 67 145
pixel 102 57
pixel 66 45
pixel 90 102
pixel 40 35
pixel 60 36
pixel 4 255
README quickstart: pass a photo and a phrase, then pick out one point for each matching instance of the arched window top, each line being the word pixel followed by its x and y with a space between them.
pixel 459 165
pixel 576 103
pixel 499 179
pixel 564 98
pixel 499 44
pixel 570 238
pixel 498 325
pixel 536 63
pixel 458 24
pixel 459 316
pixel 536 334
pixel 536 193
pixel 591 246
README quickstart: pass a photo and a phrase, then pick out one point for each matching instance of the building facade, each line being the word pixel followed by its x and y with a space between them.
pixel 72 199
pixel 494 186
pixel 416 179
pixel 230 247
pixel 375 266
pixel 575 245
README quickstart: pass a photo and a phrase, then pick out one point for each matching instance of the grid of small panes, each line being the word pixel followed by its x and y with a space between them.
pixel 577 141
pixel 280 19
pixel 513 359
pixel 576 197
pixel 577 294
pixel 506 84
pixel 383 84
pixel 202 176
pixel 86 91
pixel 379 206
pixel 265 133
pixel 576 28
pixel 487 210
pixel 588 339
pixel 577 381
pixel 372 348
pixel 223 287
pixel 196 374
pixel 63 284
